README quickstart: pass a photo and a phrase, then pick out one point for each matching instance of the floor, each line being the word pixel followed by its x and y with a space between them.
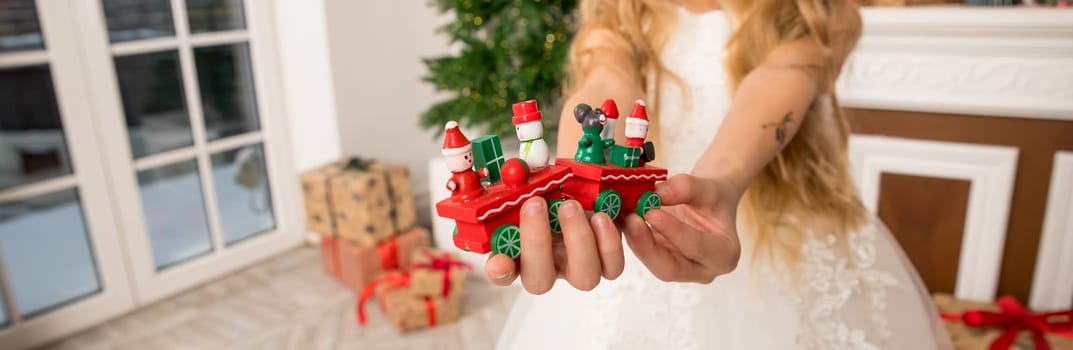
pixel 288 302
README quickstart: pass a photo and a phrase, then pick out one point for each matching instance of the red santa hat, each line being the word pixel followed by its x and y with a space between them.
pixel 454 143
pixel 639 115
pixel 610 109
pixel 525 112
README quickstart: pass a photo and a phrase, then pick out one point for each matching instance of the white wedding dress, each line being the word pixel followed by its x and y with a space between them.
pixel 871 299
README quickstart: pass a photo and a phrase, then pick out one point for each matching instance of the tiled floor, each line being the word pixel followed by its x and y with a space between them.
pixel 288 303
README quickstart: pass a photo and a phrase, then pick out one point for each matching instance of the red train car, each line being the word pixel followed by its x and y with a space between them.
pixel 490 223
pixel 610 188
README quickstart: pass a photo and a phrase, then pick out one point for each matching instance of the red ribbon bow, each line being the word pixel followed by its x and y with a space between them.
pixel 389 254
pixel 1015 318
pixel 443 262
pixel 397 280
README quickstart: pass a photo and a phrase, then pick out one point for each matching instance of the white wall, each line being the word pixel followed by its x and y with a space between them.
pixel 376 50
pixel 306 70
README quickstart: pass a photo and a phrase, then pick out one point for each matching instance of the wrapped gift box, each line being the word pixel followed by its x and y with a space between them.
pixel 406 310
pixel 436 273
pixel 629 157
pixel 372 201
pixel 409 314
pixel 488 154
pixel 359 264
pixel 329 255
pixel 965 337
pixel 359 200
pixel 316 190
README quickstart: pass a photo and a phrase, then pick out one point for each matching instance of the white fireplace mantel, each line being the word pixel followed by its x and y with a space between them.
pixel 1006 62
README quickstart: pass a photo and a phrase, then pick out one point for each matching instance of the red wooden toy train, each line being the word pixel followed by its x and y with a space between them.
pixel 487 191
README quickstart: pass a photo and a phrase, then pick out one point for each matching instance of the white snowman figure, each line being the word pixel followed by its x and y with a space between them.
pixel 527 123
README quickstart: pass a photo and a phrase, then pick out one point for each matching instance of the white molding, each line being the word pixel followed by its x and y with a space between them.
pixel 995 62
pixel 990 169
pixel 1052 284
pixel 22 59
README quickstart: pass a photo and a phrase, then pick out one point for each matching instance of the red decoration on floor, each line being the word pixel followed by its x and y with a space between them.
pixel 1015 318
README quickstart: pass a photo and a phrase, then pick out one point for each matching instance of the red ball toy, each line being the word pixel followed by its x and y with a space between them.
pixel 515 172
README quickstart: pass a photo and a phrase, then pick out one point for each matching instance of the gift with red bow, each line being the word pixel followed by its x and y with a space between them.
pixel 355 264
pixel 409 306
pixel 1006 324
pixel 437 273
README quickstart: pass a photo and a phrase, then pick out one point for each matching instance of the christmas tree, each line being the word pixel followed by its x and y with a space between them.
pixel 511 50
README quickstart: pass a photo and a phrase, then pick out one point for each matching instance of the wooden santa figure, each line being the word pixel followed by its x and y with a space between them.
pixel 611 111
pixel 465 183
pixel 637 125
pixel 527 123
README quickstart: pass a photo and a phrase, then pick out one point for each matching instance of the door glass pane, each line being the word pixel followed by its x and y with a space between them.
pixel 19 29
pixel 32 145
pixel 138 19
pixel 153 101
pixel 215 15
pixel 46 251
pixel 227 97
pixel 174 212
pixel 242 193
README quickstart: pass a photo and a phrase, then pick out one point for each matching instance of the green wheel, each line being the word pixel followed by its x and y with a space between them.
pixel 648 201
pixel 553 215
pixel 610 202
pixel 507 239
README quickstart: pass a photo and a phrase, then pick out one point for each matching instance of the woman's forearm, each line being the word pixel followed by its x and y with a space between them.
pixel 765 114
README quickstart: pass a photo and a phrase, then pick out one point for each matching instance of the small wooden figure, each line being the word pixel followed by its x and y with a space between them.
pixel 590 148
pixel 637 125
pixel 637 132
pixel 465 183
pixel 611 110
pixel 527 123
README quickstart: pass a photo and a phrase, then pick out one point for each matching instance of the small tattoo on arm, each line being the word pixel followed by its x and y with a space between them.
pixel 780 128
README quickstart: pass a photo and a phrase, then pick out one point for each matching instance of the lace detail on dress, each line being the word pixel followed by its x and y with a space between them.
pixel 828 280
pixel 659 315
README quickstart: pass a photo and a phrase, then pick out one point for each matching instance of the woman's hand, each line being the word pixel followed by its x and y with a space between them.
pixel 693 238
pixel 588 249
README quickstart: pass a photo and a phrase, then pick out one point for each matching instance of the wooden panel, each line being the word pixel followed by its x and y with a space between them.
pixel 1036 139
pixel 927 217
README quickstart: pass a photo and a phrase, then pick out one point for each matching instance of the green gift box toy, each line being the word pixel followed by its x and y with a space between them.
pixel 629 157
pixel 488 154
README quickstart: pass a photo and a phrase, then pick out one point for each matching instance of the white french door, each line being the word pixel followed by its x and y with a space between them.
pixel 141 153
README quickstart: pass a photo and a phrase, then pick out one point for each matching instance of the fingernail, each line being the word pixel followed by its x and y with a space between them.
pixel 569 209
pixel 533 207
pixel 603 222
pixel 502 276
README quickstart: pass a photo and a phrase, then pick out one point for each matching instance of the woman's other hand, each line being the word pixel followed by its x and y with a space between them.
pixel 693 237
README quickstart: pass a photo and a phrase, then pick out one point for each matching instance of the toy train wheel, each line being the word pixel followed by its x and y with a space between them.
pixel 553 215
pixel 610 202
pixel 507 239
pixel 648 201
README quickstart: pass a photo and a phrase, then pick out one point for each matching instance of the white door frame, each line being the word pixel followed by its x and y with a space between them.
pixel 63 57
pixel 149 284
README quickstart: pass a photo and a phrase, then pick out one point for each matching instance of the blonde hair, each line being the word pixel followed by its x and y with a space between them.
pixel 809 179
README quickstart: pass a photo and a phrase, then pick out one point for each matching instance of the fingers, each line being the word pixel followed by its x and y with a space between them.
pixel 583 267
pixel 678 189
pixel 537 264
pixel 687 240
pixel 500 270
pixel 657 259
pixel 609 244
